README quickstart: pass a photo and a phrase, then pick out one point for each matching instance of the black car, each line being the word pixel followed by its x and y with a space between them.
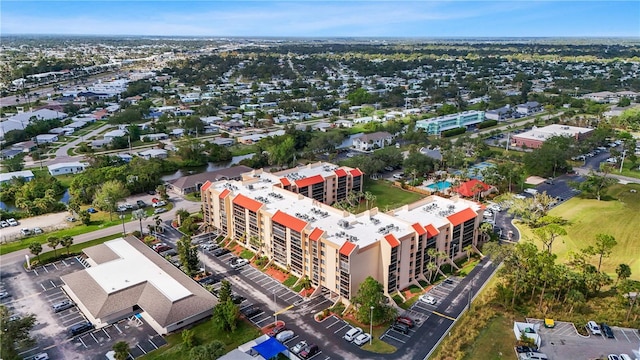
pixel 250 311
pixel 209 280
pixel 141 204
pixel 525 349
pixel 221 251
pixel 606 330
pixel 237 299
pixel 78 329
pixel 309 351
pixel 400 327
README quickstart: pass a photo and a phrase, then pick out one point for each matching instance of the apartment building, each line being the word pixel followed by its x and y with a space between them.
pixel 320 181
pixel 434 126
pixel 338 250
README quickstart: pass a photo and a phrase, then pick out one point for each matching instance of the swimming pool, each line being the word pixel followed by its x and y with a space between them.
pixel 440 185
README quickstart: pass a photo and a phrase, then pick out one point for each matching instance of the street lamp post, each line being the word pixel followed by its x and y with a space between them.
pixel 276 303
pixel 124 232
pixel 371 326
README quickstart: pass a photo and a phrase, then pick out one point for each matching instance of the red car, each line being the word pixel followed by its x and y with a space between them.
pixel 276 330
pixel 162 248
pixel 405 320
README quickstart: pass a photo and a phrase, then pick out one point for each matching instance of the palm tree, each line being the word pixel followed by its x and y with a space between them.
pixel 431 267
pixel 53 242
pixel 66 242
pixel 468 249
pixel 121 349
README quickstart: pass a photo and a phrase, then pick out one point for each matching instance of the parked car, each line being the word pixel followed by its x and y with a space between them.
pixel 92 210
pixel 169 253
pixel 70 219
pixel 239 263
pixel 405 320
pixel 209 246
pixel 162 248
pixel 352 334
pixel 606 331
pixel 400 327
pixel 151 192
pixel 141 204
pixel 12 222
pixel 41 356
pixel 159 210
pixel 237 299
pixel 593 328
pixel 157 245
pixel 62 305
pixel 209 280
pixel 298 347
pixel 285 336
pixel 525 349
pixel 159 203
pixel 250 311
pixel 428 299
pixel 277 330
pixel 362 339
pixel 309 351
pixel 624 357
pixel 4 295
pixel 221 251
pixel 613 357
pixel 4 224
pixel 25 232
pixel 37 230
pixel 81 328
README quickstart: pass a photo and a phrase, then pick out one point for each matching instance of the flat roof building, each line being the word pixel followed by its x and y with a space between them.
pixel 435 126
pixel 336 249
pixel 124 277
pixel 535 137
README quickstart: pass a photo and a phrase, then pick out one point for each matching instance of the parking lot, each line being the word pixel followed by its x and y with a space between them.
pixel 420 311
pixel 35 291
pixel 564 342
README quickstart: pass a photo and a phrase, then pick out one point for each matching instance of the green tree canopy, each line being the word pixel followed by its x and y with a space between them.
pixel 371 294
pixel 108 196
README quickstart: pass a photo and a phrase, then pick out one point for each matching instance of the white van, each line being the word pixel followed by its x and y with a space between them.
pixel 531 191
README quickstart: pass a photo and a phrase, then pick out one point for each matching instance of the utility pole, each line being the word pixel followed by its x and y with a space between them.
pixel 624 153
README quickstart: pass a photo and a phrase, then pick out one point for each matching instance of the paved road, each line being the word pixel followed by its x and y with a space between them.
pixel 179 203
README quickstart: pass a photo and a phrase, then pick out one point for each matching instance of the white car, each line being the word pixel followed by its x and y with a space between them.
pixel 4 295
pixel 4 224
pixel 12 222
pixel 428 299
pixel 41 356
pixel 495 207
pixel 362 339
pixel 593 327
pixel 299 346
pixel 352 334
pixel 239 263
pixel 159 203
pixel 285 336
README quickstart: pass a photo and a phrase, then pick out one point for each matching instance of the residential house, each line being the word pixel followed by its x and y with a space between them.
pixel 154 154
pixel 529 108
pixel 376 140
pixel 27 175
pixel 45 138
pixel 500 114
pixel 110 135
pixel 66 168
pixel 192 183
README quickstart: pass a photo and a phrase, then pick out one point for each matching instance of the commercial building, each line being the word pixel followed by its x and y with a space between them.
pixel 435 126
pixel 535 137
pixel 124 277
pixel 335 249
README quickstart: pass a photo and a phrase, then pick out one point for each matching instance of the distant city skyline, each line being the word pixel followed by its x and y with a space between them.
pixel 308 18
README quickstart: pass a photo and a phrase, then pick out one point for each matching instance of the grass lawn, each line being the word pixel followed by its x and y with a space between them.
pixel 377 346
pixel 466 269
pixel 204 333
pixel 387 195
pixel 290 281
pixel 493 342
pixel 618 215
pixel 628 170
pixel 241 149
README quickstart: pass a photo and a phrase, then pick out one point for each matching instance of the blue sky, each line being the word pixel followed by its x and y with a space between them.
pixel 310 18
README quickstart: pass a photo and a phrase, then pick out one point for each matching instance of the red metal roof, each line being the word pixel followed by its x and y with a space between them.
pixel 285 181
pixel 224 193
pixel 309 181
pixel 468 188
pixel 462 216
pixel 315 234
pixel 205 186
pixel 247 203
pixel 289 221
pixel 392 240
pixel 356 172
pixel 419 229
pixel 431 230
pixel 341 172
pixel 347 248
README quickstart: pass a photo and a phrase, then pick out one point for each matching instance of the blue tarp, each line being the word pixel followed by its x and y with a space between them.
pixel 270 348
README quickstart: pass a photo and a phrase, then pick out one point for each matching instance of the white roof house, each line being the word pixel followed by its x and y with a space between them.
pixel 110 135
pixel 66 168
pixel 46 138
pixel 154 154
pixel 26 174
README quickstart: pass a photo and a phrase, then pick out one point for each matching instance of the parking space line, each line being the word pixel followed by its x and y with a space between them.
pixel 272 287
pixel 117 328
pixel 45 268
pixel 35 271
pixel 54 265
pixel 319 352
pixel 636 334
pixel 43 288
pixel 344 326
pixel 396 339
pixel 263 320
pixel 105 332
pixel 153 344
pixel 335 322
pixel 140 347
pixel 82 342
pixel 255 316
pixel 94 338
pixel 293 338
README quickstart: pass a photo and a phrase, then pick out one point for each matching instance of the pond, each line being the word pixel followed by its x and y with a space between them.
pixel 211 167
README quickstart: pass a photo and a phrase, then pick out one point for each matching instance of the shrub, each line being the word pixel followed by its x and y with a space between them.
pixel 487 123
pixel 453 132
